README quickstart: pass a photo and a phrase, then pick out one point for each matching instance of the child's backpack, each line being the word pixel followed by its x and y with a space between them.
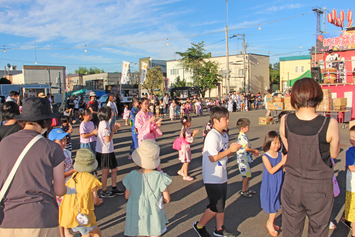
pixel 177 143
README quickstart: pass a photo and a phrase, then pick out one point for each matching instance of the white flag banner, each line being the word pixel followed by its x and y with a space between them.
pixel 143 72
pixel 124 76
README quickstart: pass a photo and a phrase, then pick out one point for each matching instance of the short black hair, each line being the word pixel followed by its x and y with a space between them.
pixel 306 92
pixel 242 123
pixel 141 100
pixel 64 119
pixel 9 110
pixel 352 128
pixel 13 93
pixel 218 112
pixel 104 113
pixel 269 138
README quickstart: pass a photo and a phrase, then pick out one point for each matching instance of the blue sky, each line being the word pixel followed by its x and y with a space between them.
pixel 113 31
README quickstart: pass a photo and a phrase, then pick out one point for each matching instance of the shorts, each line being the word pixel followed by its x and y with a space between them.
pixel 30 232
pixel 217 195
pixel 90 145
pixel 76 109
pixel 244 169
pixel 106 160
pixel 83 229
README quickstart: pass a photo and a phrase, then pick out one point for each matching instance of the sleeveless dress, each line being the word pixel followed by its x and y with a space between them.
pixel 270 191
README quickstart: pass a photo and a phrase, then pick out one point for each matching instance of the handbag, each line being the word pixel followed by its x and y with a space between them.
pixel 13 171
pixel 178 142
pixel 82 219
pixel 160 202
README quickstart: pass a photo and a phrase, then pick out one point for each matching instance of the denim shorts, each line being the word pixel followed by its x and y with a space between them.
pixel 83 229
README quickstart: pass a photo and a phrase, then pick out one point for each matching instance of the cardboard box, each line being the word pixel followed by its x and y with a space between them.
pixel 270 105
pixel 351 123
pixel 278 105
pixel 339 102
pixel 265 120
pixel 279 99
pixel 279 96
pixel 287 100
pixel 269 98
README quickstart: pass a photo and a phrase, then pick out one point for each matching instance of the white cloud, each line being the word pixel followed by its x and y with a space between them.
pixel 273 9
pixel 85 58
pixel 205 23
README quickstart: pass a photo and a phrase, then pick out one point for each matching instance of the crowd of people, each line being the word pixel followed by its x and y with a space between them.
pixel 47 184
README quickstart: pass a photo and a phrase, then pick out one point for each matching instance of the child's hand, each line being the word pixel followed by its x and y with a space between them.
pixel 152 119
pixel 159 120
pixel 195 132
pixel 115 127
pixel 234 147
pixel 95 132
pixel 256 153
pixel 284 159
pixel 99 202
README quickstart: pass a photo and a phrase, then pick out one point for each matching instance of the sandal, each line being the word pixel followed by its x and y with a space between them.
pixel 252 192
pixel 276 227
pixel 188 178
pixel 180 173
pixel 272 231
pixel 246 194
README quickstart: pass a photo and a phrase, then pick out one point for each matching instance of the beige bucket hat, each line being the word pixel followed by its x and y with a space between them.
pixel 147 154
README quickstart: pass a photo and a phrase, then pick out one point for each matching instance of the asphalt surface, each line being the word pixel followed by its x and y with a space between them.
pixel 243 216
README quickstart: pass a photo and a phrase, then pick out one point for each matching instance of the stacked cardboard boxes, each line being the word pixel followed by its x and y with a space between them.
pixel 265 120
pixel 269 98
pixel 287 101
pixel 339 103
pixel 278 105
pixel 327 103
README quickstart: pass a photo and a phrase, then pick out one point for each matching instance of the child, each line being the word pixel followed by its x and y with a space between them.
pixel 146 124
pixel 59 136
pixel 244 156
pixel 68 129
pixel 157 112
pixel 134 112
pixel 350 183
pixel 172 110
pixel 161 108
pixel 126 113
pixel 87 130
pixel 198 107
pixel 185 151
pixel 182 110
pixel 271 184
pixel 83 197
pixel 104 151
pixel 146 187
pixel 187 108
pixel 177 110
pixel 230 105
pixel 214 172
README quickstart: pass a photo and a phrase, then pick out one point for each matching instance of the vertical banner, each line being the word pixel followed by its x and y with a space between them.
pixel 124 76
pixel 143 72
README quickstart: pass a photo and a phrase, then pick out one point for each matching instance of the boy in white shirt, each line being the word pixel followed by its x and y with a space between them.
pixel 214 172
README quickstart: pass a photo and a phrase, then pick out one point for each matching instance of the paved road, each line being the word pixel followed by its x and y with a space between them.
pixel 243 215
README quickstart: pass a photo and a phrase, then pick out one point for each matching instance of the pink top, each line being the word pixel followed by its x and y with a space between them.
pixel 146 129
pixel 87 127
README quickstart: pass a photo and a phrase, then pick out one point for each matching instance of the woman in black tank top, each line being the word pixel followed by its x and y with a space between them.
pixel 310 140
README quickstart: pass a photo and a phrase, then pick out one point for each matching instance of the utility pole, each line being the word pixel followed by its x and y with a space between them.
pixel 244 66
pixel 227 53
pixel 49 78
pixel 318 12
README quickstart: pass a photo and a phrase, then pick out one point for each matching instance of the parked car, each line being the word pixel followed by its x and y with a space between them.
pixel 103 99
pixel 275 94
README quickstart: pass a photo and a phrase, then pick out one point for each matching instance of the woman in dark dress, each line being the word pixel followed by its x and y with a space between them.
pixel 8 111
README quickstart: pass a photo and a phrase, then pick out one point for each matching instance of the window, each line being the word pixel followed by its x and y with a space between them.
pixel 240 72
pixel 174 71
pixel 302 69
pixel 296 69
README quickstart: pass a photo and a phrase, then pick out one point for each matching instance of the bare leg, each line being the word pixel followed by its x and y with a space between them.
pixel 104 178
pixel 184 168
pixel 114 176
pixel 219 220
pixel 245 185
pixel 96 232
pixel 206 217
pixel 353 228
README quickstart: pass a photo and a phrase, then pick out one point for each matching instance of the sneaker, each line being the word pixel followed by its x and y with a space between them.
pixel 332 226
pixel 117 191
pixel 107 193
pixel 201 232
pixel 223 233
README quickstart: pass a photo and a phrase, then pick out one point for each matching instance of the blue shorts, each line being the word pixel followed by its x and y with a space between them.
pixel 91 146
pixel 83 229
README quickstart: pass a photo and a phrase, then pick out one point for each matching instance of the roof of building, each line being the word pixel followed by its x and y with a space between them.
pixel 172 60
pixel 292 58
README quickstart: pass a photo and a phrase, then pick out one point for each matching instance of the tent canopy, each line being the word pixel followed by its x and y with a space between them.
pixel 307 74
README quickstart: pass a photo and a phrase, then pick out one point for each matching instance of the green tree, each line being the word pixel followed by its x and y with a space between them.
pixel 274 73
pixel 91 70
pixel 153 79
pixel 178 82
pixel 204 73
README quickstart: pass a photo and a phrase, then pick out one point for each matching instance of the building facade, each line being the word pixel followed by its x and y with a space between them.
pixel 293 67
pixel 248 73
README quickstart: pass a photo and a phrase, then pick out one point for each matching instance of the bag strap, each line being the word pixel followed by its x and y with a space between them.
pixel 149 186
pixel 77 201
pixel 11 176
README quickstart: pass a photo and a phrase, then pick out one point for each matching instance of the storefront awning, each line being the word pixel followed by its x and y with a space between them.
pixel 307 74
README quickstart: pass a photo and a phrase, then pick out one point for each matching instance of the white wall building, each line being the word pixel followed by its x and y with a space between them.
pixel 250 75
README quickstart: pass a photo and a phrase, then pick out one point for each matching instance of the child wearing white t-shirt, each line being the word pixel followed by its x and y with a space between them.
pixel 214 171
pixel 104 151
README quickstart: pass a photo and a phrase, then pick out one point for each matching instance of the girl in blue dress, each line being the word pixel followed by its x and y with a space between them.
pixel 270 191
pixel 134 111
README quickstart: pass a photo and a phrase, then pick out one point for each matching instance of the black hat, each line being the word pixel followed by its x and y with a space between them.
pixel 330 51
pixel 35 109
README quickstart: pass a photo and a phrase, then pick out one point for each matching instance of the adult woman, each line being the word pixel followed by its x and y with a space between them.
pixel 8 111
pixel 311 140
pixel 29 207
pixel 113 107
